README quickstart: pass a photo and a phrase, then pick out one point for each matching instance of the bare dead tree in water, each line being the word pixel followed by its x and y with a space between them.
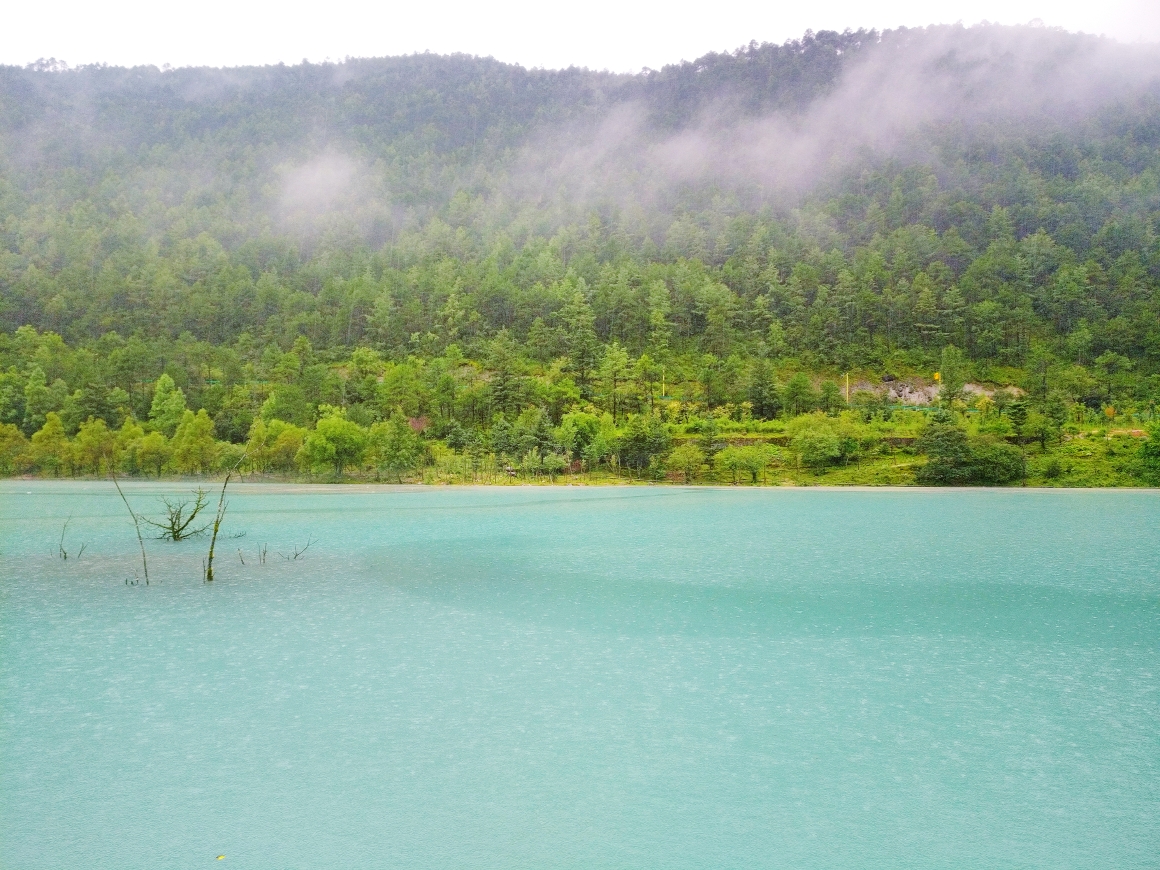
pixel 61 552
pixel 298 552
pixel 218 517
pixel 136 525
pixel 177 522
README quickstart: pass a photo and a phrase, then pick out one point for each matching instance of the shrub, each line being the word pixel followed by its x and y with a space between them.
pixel 956 460
pixel 995 462
pixel 816 441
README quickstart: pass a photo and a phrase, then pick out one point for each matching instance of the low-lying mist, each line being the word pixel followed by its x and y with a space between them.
pixel 1006 80
pixel 365 147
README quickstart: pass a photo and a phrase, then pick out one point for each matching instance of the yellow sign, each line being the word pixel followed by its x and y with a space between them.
pixel 938 376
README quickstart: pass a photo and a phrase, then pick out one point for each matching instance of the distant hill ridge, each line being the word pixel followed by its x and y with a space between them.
pixel 837 200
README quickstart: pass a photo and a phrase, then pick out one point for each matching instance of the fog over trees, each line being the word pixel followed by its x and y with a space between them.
pixel 569 258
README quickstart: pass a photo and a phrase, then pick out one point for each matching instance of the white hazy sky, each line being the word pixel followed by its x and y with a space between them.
pixel 621 35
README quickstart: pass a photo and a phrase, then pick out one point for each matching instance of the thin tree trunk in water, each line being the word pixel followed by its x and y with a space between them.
pixel 217 520
pixel 136 525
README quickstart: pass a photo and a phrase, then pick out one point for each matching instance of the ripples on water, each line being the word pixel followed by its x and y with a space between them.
pixel 534 677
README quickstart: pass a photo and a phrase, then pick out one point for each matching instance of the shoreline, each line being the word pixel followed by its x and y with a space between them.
pixel 372 486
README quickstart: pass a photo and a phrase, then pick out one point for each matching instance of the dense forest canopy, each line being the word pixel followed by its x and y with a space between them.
pixel 463 240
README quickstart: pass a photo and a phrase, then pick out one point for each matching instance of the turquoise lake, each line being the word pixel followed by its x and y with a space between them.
pixel 645 677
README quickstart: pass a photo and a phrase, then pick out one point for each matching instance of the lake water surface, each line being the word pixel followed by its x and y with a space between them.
pixel 584 677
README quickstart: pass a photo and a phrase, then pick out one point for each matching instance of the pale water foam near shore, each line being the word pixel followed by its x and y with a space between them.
pixel 606 677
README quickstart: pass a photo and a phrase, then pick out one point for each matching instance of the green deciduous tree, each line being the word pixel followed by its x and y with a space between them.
pixel 687 460
pixel 13 449
pixel 555 464
pixel 754 459
pixel 273 446
pixel 153 452
pixel 38 400
pixel 816 442
pixel 168 406
pixel 577 430
pixel 194 449
pixel 831 399
pixel 644 438
pixel 798 397
pixel 50 450
pixel 335 442
pixel 95 447
pixel 394 447
pixel 728 460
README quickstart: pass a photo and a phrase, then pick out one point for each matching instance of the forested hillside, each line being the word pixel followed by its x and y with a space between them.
pixel 454 257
